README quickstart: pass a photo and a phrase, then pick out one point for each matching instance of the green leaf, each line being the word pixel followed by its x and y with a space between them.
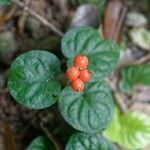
pixel 89 111
pixel 32 79
pixel 114 128
pixel 84 141
pixel 131 131
pixel 103 55
pixel 41 143
pixel 135 75
pixel 5 1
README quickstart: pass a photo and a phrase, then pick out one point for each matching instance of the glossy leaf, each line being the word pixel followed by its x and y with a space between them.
pixel 41 143
pixel 103 55
pixel 135 75
pixel 5 1
pixel 84 141
pixel 89 111
pixel 131 131
pixel 32 79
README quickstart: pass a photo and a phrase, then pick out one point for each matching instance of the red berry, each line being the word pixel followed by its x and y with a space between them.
pixel 72 73
pixel 85 75
pixel 77 85
pixel 80 61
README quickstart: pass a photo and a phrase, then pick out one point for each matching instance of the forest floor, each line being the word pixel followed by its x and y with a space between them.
pixel 41 25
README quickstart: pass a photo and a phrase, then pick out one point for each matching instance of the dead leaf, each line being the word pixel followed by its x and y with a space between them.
pixel 141 37
pixel 114 17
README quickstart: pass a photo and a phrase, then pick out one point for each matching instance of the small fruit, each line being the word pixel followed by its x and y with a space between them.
pixel 77 85
pixel 85 75
pixel 81 61
pixel 72 73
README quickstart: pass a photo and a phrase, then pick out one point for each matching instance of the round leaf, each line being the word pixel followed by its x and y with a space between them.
pixel 134 75
pixel 41 143
pixel 32 79
pixel 83 141
pixel 89 111
pixel 103 55
pixel 131 130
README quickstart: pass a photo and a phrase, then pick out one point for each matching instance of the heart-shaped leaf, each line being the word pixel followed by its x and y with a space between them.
pixel 5 1
pixel 89 111
pixel 84 141
pixel 131 130
pixel 41 143
pixel 103 55
pixel 134 75
pixel 32 79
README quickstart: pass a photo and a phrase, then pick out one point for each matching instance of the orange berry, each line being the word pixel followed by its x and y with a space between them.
pixel 77 85
pixel 72 73
pixel 85 75
pixel 81 61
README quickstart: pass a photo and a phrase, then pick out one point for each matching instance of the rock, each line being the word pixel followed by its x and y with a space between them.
pixel 86 15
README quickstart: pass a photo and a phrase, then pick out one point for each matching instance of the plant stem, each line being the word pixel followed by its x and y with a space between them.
pixel 50 137
pixel 39 17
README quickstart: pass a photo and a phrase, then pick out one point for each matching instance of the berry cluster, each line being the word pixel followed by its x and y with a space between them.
pixel 78 74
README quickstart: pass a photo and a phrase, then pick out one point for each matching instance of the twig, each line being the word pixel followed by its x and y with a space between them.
pixel 57 146
pixel 39 17
pixel 142 60
pixel 23 18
